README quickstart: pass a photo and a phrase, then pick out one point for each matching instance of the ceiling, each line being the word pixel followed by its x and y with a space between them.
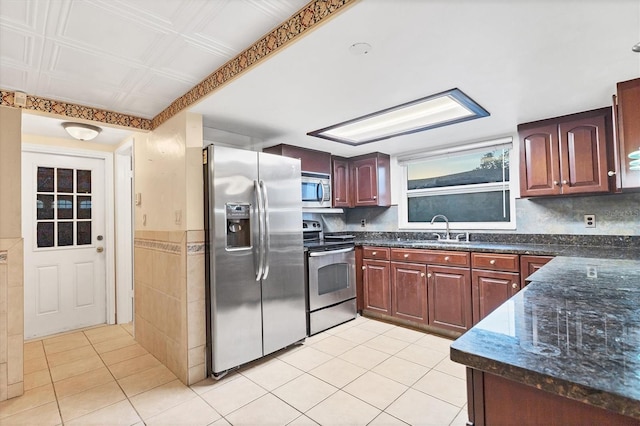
pixel 522 60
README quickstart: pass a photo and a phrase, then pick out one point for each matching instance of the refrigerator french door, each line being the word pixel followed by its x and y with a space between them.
pixel 255 258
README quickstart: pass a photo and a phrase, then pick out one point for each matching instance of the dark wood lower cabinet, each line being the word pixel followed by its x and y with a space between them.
pixel 530 264
pixel 497 401
pixel 449 298
pixel 377 290
pixel 491 289
pixel 409 291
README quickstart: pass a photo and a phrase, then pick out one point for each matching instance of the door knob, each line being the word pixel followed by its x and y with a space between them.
pixel 611 173
pixel 100 249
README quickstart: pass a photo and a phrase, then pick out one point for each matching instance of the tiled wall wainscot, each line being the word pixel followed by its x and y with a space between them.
pixel 170 300
pixel 161 298
pixel 196 320
pixel 11 319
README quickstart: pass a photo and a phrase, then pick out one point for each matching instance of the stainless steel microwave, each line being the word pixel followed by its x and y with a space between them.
pixel 316 190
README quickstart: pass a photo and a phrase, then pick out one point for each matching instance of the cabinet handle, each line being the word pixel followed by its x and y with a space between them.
pixel 337 198
pixel 406 256
pixel 564 182
pixel 556 183
pixel 446 258
pixel 492 261
pixel 428 275
pixel 422 274
pixel 373 253
pixel 364 268
pixel 375 197
pixel 611 173
pixel 514 285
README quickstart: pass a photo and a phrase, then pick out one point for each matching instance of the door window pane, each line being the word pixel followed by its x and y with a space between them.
pixel 64 216
pixel 84 233
pixel 84 181
pixel 65 206
pixel 44 204
pixel 45 179
pixel 84 207
pixel 44 233
pixel 65 180
pixel 65 234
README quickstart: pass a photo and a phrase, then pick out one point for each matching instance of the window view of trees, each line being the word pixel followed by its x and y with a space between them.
pixel 487 168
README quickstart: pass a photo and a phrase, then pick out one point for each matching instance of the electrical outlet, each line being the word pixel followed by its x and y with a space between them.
pixel 363 222
pixel 589 220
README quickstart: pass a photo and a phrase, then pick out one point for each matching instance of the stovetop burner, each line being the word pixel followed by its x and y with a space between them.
pixel 315 240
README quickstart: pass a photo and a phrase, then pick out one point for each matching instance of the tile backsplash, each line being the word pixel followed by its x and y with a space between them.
pixel 617 214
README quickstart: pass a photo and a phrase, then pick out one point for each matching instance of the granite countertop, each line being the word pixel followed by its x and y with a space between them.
pixel 574 331
pixel 606 251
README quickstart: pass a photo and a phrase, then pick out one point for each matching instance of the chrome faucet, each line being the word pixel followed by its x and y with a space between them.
pixel 446 236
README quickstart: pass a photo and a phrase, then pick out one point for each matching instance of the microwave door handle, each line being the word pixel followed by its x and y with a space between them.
pixel 267 236
pixel 258 194
pixel 321 192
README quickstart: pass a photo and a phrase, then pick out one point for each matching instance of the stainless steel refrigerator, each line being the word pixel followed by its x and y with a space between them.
pixel 254 256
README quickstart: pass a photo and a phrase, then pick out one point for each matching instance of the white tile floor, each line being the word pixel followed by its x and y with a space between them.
pixel 364 372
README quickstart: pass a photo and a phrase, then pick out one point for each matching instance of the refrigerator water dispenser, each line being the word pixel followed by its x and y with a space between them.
pixel 238 226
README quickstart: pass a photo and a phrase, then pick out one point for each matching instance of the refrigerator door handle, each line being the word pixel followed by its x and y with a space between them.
pixel 267 236
pixel 260 245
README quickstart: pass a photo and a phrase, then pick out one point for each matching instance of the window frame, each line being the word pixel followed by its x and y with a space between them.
pixel 512 187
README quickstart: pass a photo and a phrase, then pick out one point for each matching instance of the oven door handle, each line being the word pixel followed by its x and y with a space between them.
pixel 327 253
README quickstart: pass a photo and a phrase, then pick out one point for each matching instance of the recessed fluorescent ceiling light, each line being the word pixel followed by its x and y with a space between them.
pixel 442 109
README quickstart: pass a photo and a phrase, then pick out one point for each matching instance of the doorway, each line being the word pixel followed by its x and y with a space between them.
pixel 68 239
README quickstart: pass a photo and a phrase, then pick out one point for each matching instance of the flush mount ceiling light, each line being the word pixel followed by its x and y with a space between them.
pixel 81 131
pixel 438 110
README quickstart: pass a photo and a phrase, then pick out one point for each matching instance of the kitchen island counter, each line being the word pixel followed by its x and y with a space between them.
pixel 574 332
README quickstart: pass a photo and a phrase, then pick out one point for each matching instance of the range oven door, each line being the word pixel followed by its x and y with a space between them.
pixel 332 277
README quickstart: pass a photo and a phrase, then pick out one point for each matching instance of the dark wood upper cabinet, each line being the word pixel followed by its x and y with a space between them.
pixel 370 180
pixel 310 159
pixel 362 181
pixel 341 183
pixel 628 126
pixel 566 155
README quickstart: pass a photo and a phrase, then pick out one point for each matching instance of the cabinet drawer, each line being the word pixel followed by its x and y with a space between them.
pixel 496 262
pixel 381 253
pixel 431 257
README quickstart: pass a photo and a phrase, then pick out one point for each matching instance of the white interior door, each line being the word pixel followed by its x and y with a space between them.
pixel 63 205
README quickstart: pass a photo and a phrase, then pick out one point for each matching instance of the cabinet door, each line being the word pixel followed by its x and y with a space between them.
pixel 365 182
pixel 449 292
pixel 629 130
pixel 409 291
pixel 491 289
pixel 341 192
pixel 530 264
pixel 539 161
pixel 376 286
pixel 583 147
